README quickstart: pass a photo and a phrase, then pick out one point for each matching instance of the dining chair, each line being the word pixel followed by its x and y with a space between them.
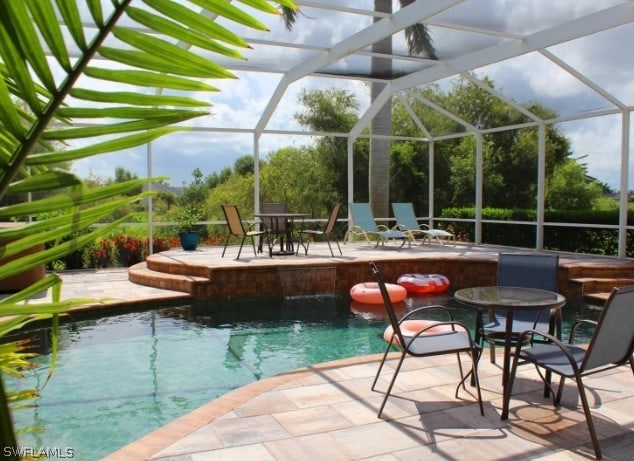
pixel 418 337
pixel 327 232
pixel 611 345
pixel 276 227
pixel 236 227
pixel 526 271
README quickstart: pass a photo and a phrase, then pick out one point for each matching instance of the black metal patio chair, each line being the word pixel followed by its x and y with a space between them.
pixel 611 345
pixel 526 271
pixel 425 338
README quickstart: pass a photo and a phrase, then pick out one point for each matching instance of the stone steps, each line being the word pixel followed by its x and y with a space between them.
pixel 187 283
pixel 596 290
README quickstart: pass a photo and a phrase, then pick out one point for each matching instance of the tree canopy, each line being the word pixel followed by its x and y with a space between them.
pixel 313 177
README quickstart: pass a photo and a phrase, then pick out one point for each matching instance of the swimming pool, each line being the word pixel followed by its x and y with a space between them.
pixel 120 377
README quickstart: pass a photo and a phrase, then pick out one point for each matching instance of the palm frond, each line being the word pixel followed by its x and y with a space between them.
pixel 40 94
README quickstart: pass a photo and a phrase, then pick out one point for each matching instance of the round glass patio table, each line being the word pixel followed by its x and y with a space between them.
pixel 509 299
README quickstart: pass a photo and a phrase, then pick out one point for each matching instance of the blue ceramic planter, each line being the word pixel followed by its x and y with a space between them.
pixel 189 240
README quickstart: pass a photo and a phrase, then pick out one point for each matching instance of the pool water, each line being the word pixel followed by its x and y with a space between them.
pixel 118 378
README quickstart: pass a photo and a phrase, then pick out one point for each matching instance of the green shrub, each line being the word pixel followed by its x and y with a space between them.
pixel 559 238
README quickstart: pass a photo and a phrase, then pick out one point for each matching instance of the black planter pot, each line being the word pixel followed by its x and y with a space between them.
pixel 189 240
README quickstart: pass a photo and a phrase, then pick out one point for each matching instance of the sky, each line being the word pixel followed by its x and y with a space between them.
pixel 532 77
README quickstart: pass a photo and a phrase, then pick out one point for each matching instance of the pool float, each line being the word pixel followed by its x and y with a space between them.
pixel 410 327
pixel 370 293
pixel 424 283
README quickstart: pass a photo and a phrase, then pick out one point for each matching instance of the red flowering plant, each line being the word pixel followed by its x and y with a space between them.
pixel 123 250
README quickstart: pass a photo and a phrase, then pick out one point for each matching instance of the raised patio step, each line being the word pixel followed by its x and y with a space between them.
pixel 597 299
pixel 140 273
pixel 592 285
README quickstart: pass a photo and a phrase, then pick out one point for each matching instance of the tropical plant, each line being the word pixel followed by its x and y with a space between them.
pixel 49 54
pixel 191 203
pixel 419 42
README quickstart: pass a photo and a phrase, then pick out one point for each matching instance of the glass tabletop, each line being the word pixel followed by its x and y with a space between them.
pixel 509 297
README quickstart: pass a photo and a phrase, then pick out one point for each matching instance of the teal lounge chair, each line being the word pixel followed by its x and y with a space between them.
pixel 365 225
pixel 406 222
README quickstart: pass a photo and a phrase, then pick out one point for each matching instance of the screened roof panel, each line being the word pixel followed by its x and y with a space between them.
pixel 518 18
pixel 532 78
pixel 573 56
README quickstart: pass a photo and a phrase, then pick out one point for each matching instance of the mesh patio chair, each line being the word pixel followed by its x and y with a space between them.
pixel 365 225
pixel 406 222
pixel 236 227
pixel 277 228
pixel 424 338
pixel 526 271
pixel 327 232
pixel 611 345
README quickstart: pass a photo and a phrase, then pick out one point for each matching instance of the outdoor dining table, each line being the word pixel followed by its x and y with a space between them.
pixel 288 220
pixel 509 299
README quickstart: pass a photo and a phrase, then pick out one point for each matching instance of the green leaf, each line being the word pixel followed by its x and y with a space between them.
pixel 34 233
pixel 149 79
pixel 9 116
pixel 52 179
pixel 158 64
pixel 7 434
pixel 119 112
pixel 152 100
pixel 44 308
pixel 180 33
pixel 287 3
pixel 230 12
pixel 125 142
pixel 72 19
pixel 68 200
pixel 96 11
pixel 261 5
pixel 16 13
pixel 168 51
pixel 32 290
pixel 44 17
pixel 196 21
pixel 17 68
pixel 30 261
pixel 126 127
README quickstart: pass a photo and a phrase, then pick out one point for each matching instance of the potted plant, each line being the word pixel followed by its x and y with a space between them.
pixel 190 210
pixel 186 219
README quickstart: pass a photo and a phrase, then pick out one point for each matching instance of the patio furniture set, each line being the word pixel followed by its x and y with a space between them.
pixel 276 225
pixel 522 311
pixel 524 316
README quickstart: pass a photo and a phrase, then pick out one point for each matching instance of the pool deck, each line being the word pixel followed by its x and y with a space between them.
pixel 328 411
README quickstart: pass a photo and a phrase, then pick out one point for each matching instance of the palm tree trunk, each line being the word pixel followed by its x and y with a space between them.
pixel 379 183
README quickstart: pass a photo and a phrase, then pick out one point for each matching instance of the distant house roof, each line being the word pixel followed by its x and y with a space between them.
pixel 177 191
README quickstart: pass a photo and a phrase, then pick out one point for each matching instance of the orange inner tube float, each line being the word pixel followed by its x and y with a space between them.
pixel 424 283
pixel 370 293
pixel 410 327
